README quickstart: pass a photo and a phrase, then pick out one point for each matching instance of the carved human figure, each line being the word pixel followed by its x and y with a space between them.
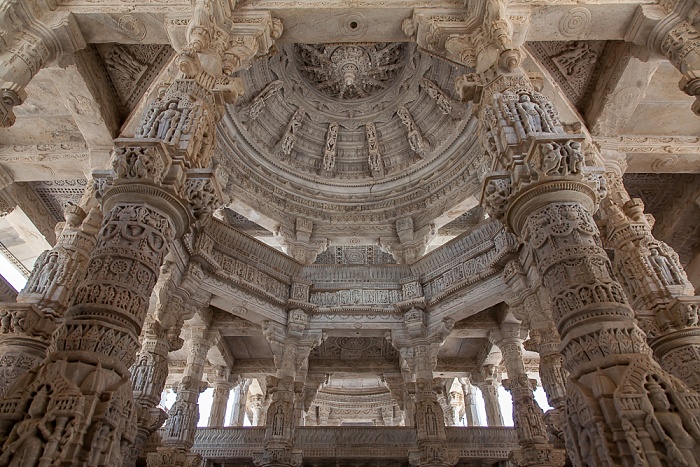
pixel 27 443
pixel 431 422
pixel 663 267
pixel 165 121
pixel 278 422
pixel 531 114
pixel 551 159
pixel 573 157
pixel 48 272
pixel 679 439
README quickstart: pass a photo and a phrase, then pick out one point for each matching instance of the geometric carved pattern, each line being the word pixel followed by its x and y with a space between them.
pixel 350 71
pixel 57 194
pixel 356 254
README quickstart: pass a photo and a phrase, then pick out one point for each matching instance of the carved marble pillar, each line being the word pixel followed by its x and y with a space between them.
pixel 178 436
pixel 222 391
pixel 653 278
pixel 619 400
pixel 26 326
pixel 418 344
pixel 488 383
pixel 239 403
pixel 148 375
pixel 471 415
pixel 528 417
pixel 291 345
pixel 257 406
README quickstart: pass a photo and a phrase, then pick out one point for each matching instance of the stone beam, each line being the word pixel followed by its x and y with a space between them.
pixel 352 366
pixel 91 102
pixel 656 154
pixel 59 161
pixel 618 90
pixel 142 21
pixel 254 367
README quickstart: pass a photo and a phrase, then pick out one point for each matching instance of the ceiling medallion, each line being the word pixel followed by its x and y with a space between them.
pixel 349 72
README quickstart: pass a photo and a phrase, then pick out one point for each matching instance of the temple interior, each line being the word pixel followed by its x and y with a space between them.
pixel 349 233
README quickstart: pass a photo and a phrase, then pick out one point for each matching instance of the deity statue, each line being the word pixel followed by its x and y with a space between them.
pixel 678 436
pixel 278 422
pixel 431 422
pixel 664 269
pixel 166 121
pixel 532 116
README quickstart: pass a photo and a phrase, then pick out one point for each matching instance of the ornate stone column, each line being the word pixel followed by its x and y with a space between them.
pixel 532 305
pixel 291 345
pixel 148 375
pixel 240 401
pixel 222 391
pixel 653 279
pixel 618 396
pixel 418 345
pixel 257 406
pixel 528 417
pixel 26 326
pixel 470 413
pixel 488 384
pixel 183 416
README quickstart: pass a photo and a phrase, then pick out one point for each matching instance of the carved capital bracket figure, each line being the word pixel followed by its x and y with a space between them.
pixel 34 36
pixel 291 346
pixel 652 276
pixel 546 195
pixel 412 240
pixel 669 30
pixel 418 345
pixel 536 450
pixel 299 242
pixel 26 326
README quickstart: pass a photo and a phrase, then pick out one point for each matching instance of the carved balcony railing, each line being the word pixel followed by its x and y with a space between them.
pixel 225 444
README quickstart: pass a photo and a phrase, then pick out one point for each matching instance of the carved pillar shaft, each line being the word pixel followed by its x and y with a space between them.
pixel 654 281
pixel 527 415
pixel 184 414
pixel 489 391
pixel 470 413
pixel 96 344
pixel 26 326
pixel 148 375
pixel 239 403
pixel 258 409
pixel 222 390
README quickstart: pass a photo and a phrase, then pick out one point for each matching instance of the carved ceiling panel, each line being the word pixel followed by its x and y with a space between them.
pixel 57 194
pixel 351 164
pixel 572 64
pixel 132 68
pixel 355 348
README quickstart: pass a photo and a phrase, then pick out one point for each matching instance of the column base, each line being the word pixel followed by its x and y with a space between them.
pixel 538 456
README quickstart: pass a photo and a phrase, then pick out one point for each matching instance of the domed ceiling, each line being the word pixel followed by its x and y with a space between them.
pixel 352 138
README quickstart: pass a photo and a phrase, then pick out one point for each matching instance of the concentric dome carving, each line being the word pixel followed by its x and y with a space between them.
pixel 350 71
